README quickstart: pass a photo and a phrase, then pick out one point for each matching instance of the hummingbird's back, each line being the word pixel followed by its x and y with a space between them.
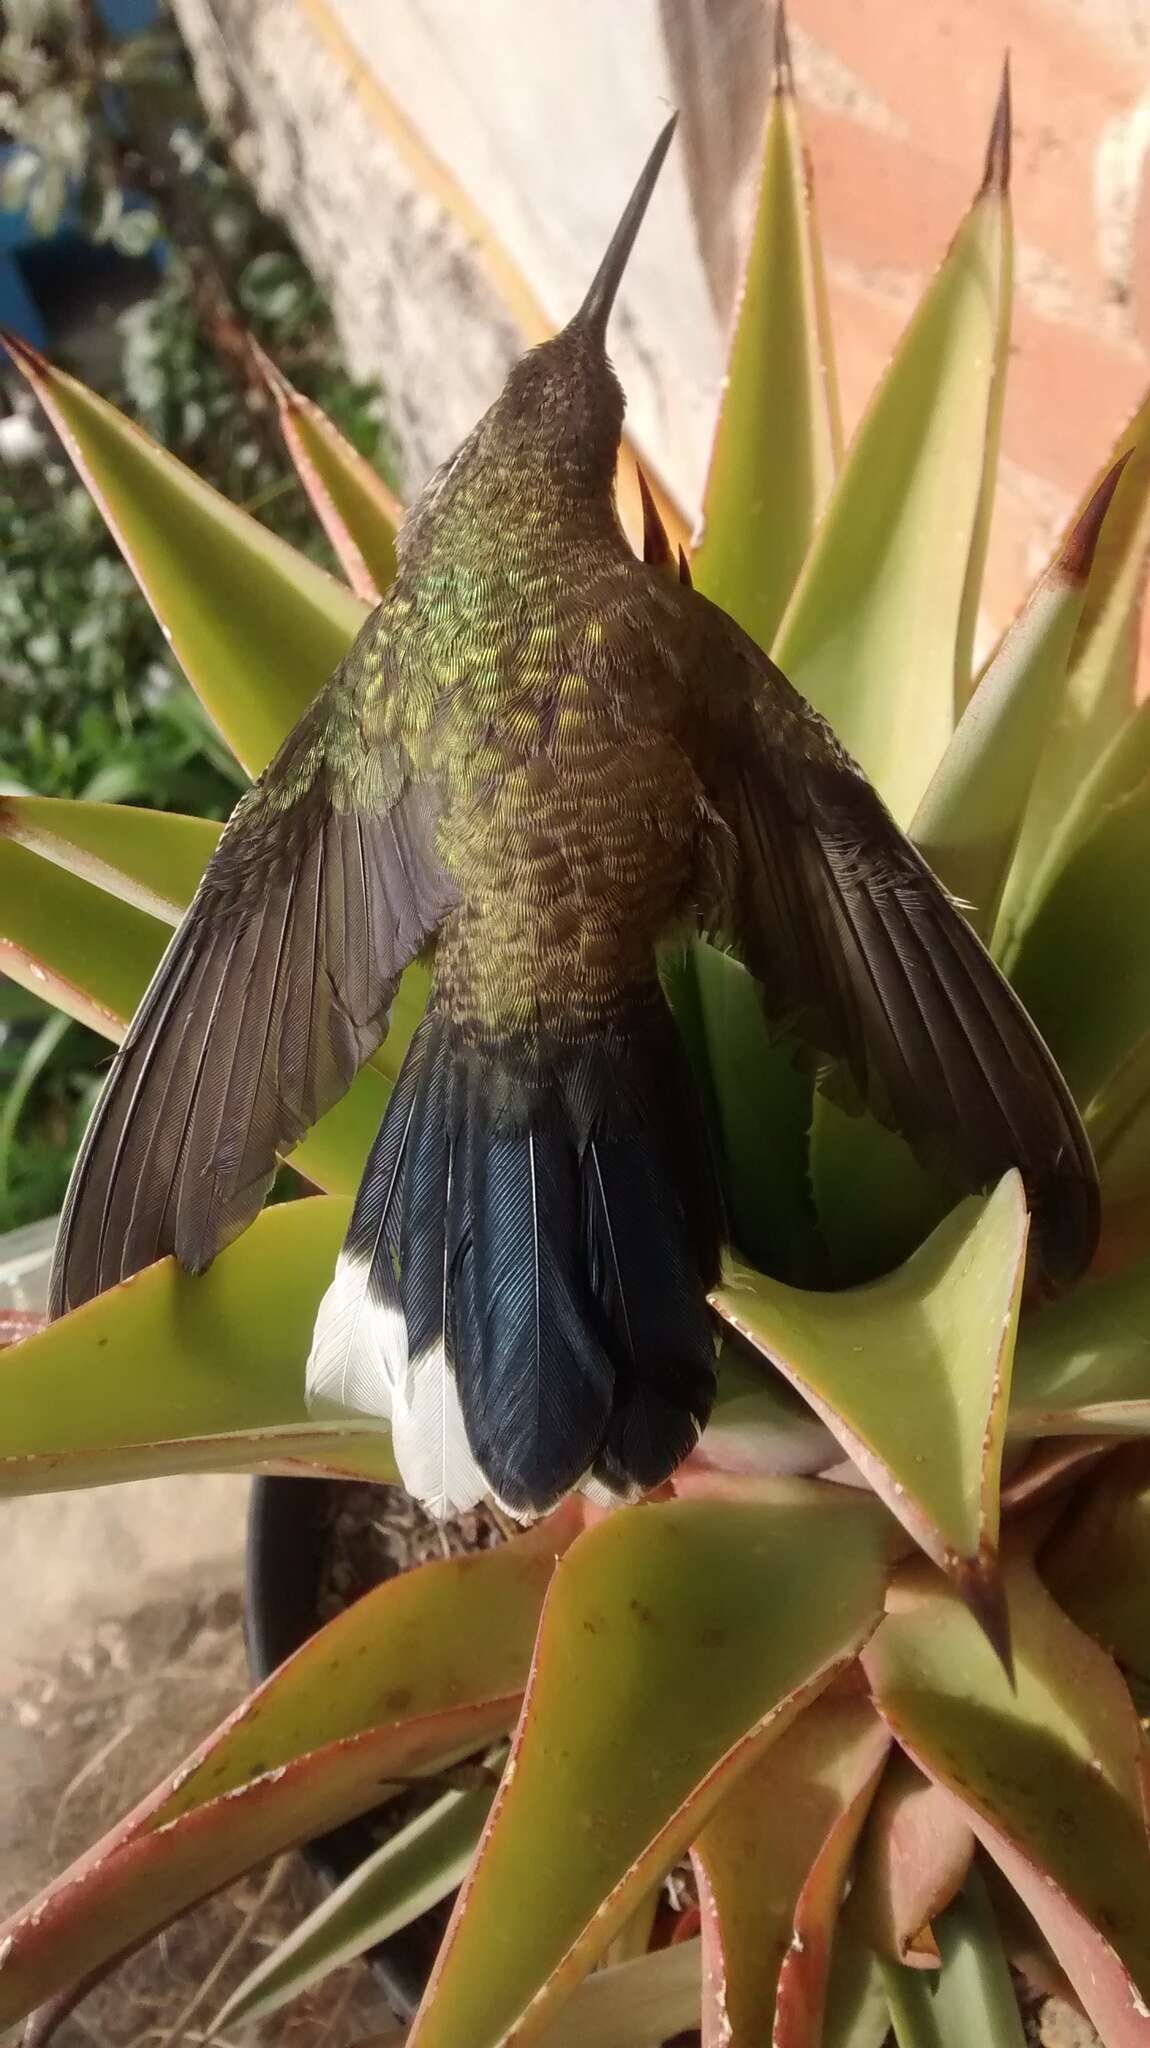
pixel 543 707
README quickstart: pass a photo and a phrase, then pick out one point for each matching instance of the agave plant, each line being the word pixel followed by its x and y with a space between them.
pixel 874 1667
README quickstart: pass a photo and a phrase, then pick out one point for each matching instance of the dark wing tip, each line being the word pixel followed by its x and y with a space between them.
pixel 1067 1223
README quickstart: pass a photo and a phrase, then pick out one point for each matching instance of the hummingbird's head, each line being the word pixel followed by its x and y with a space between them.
pixel 562 403
pixel 558 420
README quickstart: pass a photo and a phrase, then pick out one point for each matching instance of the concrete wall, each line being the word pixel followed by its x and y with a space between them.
pixel 426 152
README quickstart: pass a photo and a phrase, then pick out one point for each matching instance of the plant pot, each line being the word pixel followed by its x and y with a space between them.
pixel 288 1523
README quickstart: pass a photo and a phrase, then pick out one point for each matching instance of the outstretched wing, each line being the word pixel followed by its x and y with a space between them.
pixel 274 990
pixel 861 951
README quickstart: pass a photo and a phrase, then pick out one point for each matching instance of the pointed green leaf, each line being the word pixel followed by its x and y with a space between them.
pixel 1089 932
pixel 637 2004
pixel 761 1107
pixel 1085 1355
pixel 1118 1124
pixel 1100 693
pixel 912 1375
pixel 879 631
pixel 255 626
pixel 72 943
pixel 1044 1468
pixel 857 2015
pixel 697 1628
pixel 425 1668
pixel 167 1373
pixel 968 823
pixel 358 512
pixel 914 1859
pixel 973 1997
pixel 1049 1773
pixel 1120 771
pixel 152 859
pixel 904 1200
pixel 422 1864
pixel 777 438
pixel 629 498
pixel 770 1865
pixel 1097 1561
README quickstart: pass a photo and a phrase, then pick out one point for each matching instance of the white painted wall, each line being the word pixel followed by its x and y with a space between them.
pixel 542 111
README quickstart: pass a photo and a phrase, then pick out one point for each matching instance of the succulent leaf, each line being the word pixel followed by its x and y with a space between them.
pixel 857 2014
pixel 878 632
pixel 151 859
pixel 169 1374
pixel 972 1998
pixel 777 440
pixel 358 512
pixel 771 1864
pixel 660 1618
pixel 1101 688
pixel 1049 1773
pixel 694 1682
pixel 1092 915
pixel 915 1855
pixel 1086 1357
pixel 912 1375
pixel 256 627
pixel 416 1868
pixel 1097 1562
pixel 760 1117
pixel 636 2004
pixel 968 823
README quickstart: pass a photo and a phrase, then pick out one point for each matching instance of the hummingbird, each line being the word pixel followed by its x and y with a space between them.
pixel 545 758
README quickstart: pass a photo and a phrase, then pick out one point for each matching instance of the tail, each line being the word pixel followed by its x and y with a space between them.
pixel 522 1292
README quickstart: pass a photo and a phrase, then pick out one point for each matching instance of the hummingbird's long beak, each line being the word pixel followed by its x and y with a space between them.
pixel 595 311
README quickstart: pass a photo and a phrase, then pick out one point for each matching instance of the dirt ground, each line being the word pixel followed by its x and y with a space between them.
pixel 122 1648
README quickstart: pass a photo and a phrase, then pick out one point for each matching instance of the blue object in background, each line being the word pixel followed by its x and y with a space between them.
pixel 129 17
pixel 20 307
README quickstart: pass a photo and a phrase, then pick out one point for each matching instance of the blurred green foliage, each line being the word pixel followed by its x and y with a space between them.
pixel 92 703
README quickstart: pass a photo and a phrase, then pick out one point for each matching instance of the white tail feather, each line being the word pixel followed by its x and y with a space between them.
pixel 601 1496
pixel 430 1440
pixel 358 1359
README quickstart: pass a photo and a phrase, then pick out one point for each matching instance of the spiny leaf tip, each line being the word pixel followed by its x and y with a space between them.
pixel 277 384
pixel 1078 549
pixel 656 545
pixel 784 74
pixel 23 354
pixel 996 177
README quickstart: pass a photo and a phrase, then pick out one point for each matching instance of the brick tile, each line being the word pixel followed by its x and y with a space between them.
pixel 936 68
pixel 1140 264
pixel 881 201
pixel 1069 393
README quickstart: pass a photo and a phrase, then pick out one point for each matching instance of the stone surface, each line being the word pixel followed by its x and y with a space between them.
pixel 78 1559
